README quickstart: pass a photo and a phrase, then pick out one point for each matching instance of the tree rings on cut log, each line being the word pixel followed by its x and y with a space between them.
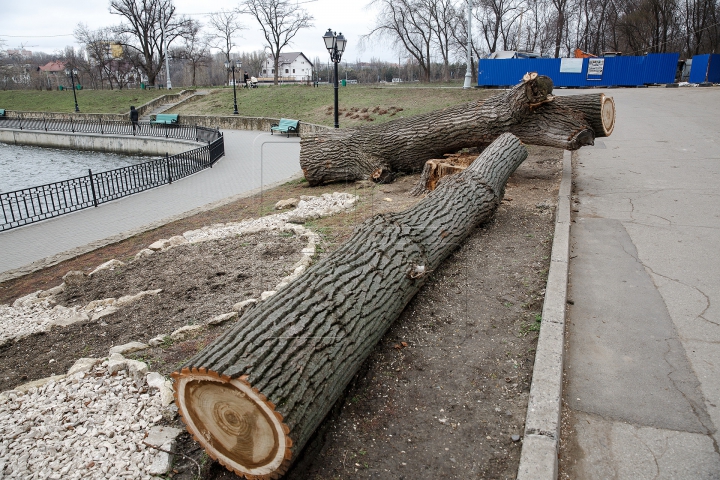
pixel 233 422
pixel 607 114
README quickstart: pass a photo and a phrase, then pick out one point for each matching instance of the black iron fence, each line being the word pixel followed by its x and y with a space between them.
pixel 34 204
pixel 112 127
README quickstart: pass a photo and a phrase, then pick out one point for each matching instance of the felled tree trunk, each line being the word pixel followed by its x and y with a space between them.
pixel 597 110
pixel 253 398
pixel 528 110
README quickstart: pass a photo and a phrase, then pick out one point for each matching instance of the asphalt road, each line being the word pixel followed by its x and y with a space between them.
pixel 642 364
pixel 252 160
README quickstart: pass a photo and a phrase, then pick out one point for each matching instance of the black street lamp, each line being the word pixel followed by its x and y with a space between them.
pixel 230 66
pixel 71 72
pixel 335 45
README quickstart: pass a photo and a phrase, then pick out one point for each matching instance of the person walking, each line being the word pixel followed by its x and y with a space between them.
pixel 134 115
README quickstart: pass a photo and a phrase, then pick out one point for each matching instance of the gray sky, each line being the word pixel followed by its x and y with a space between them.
pixel 39 24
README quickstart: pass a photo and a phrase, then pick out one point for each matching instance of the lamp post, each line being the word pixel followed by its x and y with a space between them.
pixel 230 66
pixel 335 45
pixel 71 72
pixel 468 73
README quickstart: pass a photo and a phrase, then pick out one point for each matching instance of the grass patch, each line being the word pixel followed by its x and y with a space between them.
pixel 89 101
pixel 359 104
pixel 526 328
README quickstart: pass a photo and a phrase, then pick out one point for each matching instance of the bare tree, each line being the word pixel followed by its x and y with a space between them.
pixel 224 27
pixel 444 16
pixel 280 21
pixel 194 49
pixel 409 25
pixel 151 25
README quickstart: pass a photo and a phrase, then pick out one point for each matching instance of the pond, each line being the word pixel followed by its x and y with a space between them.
pixel 23 166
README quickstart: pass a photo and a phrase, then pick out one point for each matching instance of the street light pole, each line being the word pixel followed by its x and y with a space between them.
pixel 335 45
pixel 70 72
pixel 468 73
pixel 231 67
pixel 167 60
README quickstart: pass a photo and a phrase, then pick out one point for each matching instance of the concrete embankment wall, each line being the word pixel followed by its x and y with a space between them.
pixel 99 143
pixel 243 123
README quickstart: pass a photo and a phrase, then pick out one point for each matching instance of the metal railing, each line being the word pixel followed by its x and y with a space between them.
pixel 30 205
pixel 112 127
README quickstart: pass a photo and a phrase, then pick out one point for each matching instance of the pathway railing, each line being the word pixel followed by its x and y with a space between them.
pixel 30 205
pixel 114 127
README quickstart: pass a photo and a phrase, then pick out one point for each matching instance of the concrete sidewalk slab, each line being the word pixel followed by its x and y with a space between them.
pixel 643 335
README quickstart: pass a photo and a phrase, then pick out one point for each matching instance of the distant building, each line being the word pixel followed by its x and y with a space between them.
pixel 19 53
pixel 292 66
pixel 54 71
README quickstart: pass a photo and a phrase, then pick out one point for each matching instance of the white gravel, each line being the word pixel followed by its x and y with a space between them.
pixel 22 321
pixel 309 208
pixel 87 425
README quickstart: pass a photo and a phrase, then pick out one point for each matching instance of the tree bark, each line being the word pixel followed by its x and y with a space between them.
pixel 253 398
pixel 377 152
pixel 597 109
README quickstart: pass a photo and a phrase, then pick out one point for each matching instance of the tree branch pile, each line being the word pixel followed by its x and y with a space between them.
pixel 254 397
pixel 528 110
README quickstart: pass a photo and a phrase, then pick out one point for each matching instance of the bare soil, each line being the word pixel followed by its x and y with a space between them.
pixel 440 396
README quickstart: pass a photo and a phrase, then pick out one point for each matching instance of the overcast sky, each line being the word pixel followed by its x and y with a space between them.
pixel 47 26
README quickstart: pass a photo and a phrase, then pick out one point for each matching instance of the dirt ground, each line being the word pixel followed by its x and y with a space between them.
pixel 442 394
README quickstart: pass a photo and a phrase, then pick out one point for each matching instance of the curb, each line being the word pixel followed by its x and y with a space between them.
pixel 539 456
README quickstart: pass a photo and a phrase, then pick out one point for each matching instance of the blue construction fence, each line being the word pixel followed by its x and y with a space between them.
pixel 705 68
pixel 583 72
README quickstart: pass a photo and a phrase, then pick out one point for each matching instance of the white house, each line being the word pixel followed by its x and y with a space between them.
pixel 292 66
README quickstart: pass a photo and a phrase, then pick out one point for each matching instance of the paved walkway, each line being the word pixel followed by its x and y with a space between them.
pixel 643 335
pixel 252 159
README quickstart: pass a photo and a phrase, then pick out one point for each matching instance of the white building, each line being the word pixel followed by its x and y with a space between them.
pixel 293 66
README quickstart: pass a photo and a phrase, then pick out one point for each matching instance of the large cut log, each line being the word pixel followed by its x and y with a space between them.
pixel 598 110
pixel 253 398
pixel 527 110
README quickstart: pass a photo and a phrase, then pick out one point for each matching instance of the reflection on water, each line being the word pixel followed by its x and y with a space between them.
pixel 24 166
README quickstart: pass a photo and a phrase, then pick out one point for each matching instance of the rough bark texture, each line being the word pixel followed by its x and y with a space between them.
pixel 277 373
pixel 404 145
pixel 598 110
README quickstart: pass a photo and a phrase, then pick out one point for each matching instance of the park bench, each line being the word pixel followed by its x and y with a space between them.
pixel 166 118
pixel 286 126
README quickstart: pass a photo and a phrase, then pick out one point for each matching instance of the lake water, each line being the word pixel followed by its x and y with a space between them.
pixel 24 166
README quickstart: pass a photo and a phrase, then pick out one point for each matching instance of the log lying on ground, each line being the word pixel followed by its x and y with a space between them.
pixel 597 109
pixel 253 398
pixel 528 110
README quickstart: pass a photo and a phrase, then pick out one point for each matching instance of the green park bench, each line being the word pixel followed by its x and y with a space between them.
pixel 166 118
pixel 286 126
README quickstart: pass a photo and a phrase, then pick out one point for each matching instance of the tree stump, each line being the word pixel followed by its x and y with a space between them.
pixel 254 397
pixel 527 110
pixel 435 169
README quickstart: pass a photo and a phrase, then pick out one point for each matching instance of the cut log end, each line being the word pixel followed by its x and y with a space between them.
pixel 607 114
pixel 233 422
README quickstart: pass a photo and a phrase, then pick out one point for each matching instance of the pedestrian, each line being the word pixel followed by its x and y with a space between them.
pixel 134 117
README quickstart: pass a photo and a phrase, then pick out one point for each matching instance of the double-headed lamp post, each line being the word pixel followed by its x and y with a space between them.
pixel 335 45
pixel 71 73
pixel 230 66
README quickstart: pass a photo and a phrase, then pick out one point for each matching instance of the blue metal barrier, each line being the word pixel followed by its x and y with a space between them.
pixel 616 71
pixel 705 68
